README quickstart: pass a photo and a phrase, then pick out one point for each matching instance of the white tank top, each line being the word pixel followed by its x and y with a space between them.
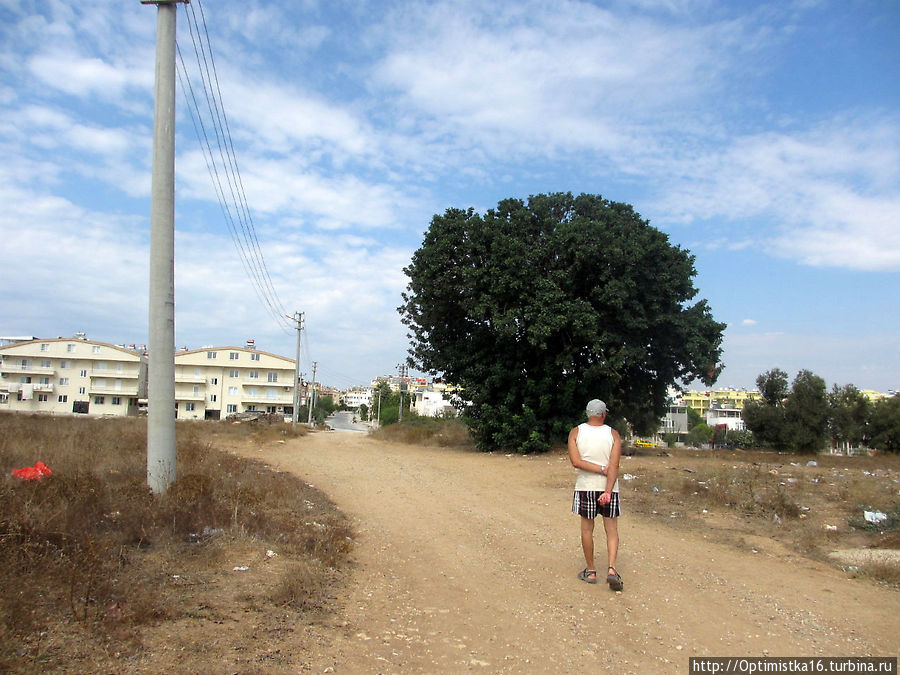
pixel 595 445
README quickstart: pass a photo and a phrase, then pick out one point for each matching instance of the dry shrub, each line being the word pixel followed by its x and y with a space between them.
pixel 881 572
pixel 302 586
pixel 442 432
pixel 85 552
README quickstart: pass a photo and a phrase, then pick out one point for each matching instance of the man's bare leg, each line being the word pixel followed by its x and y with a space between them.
pixel 612 545
pixel 587 541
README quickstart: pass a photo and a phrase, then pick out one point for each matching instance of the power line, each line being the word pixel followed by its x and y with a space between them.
pixel 235 208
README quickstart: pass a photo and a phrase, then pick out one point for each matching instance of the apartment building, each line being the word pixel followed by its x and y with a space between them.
pixel 66 376
pixel 214 382
pixel 702 401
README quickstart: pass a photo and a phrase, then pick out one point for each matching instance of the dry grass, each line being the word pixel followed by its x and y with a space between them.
pixel 86 554
pixel 427 431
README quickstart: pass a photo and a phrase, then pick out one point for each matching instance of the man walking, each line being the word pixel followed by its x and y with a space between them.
pixel 595 450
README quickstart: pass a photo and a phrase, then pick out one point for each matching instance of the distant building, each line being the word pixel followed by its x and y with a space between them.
pixel 68 376
pixel 701 401
pixel 355 398
pixel 675 420
pixel 214 382
pixel 728 416
pixel 433 401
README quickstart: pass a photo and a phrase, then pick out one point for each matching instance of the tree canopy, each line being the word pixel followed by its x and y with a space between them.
pixel 534 308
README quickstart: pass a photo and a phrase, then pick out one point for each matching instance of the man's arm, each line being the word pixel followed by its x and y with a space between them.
pixel 576 459
pixel 612 471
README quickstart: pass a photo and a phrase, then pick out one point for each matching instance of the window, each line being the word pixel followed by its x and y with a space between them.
pixel 116 400
pixel 189 406
pixel 42 398
pixel 233 356
pixel 254 357
pixel 271 393
pixel 119 367
pixel 45 363
pixel 196 390
pixel 24 364
pixel 70 348
pixel 233 373
pixel 251 408
pixel 232 408
pixel 44 380
pixel 254 374
pixel 101 365
pixel 45 348
pixel 253 391
pixel 211 355
pixel 83 373
pixel 25 380
pixel 271 408
pixel 214 380
pixel 96 349
pixel 232 391
pixel 65 365
pixel 273 377
pixel 62 398
pixel 212 398
pixel 81 390
pixel 99 400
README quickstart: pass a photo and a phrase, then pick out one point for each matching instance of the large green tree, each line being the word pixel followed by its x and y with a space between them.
pixel 789 420
pixel 884 427
pixel 534 308
pixel 806 411
pixel 849 414
pixel 766 418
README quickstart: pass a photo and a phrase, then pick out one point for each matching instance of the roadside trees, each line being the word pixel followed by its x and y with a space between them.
pixel 534 308
pixel 884 427
pixel 849 412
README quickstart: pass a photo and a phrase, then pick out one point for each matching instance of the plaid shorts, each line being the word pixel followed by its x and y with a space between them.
pixel 585 504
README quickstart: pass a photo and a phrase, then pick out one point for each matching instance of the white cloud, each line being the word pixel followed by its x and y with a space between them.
pixel 830 194
pixel 748 322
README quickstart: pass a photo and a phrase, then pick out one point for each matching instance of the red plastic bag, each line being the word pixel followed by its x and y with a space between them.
pixel 35 472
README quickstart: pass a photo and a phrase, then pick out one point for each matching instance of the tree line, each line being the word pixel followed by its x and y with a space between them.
pixel 806 417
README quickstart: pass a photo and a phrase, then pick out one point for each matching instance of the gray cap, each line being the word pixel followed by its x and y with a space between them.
pixel 596 408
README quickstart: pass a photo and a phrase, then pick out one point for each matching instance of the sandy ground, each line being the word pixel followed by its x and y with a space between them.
pixel 467 562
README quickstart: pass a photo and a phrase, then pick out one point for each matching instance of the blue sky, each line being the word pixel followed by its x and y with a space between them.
pixel 764 137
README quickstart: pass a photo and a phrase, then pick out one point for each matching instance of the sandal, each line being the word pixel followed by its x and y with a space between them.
pixel 585 575
pixel 614 580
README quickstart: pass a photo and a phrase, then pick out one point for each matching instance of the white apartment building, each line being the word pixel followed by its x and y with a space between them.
pixel 433 401
pixel 730 416
pixel 354 398
pixel 214 382
pixel 66 376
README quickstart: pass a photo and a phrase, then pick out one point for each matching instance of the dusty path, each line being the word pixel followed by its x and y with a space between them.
pixel 467 562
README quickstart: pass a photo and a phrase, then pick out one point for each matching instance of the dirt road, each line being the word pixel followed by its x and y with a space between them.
pixel 466 562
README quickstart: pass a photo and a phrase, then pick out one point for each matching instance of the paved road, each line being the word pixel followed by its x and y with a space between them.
pixel 343 421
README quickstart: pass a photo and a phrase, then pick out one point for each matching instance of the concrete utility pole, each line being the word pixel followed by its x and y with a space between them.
pixel 298 319
pixel 161 452
pixel 403 371
pixel 311 397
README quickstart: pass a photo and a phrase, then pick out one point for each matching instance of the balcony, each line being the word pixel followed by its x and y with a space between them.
pixel 115 374
pixel 10 369
pixel 190 379
pixel 130 392
pixel 262 398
